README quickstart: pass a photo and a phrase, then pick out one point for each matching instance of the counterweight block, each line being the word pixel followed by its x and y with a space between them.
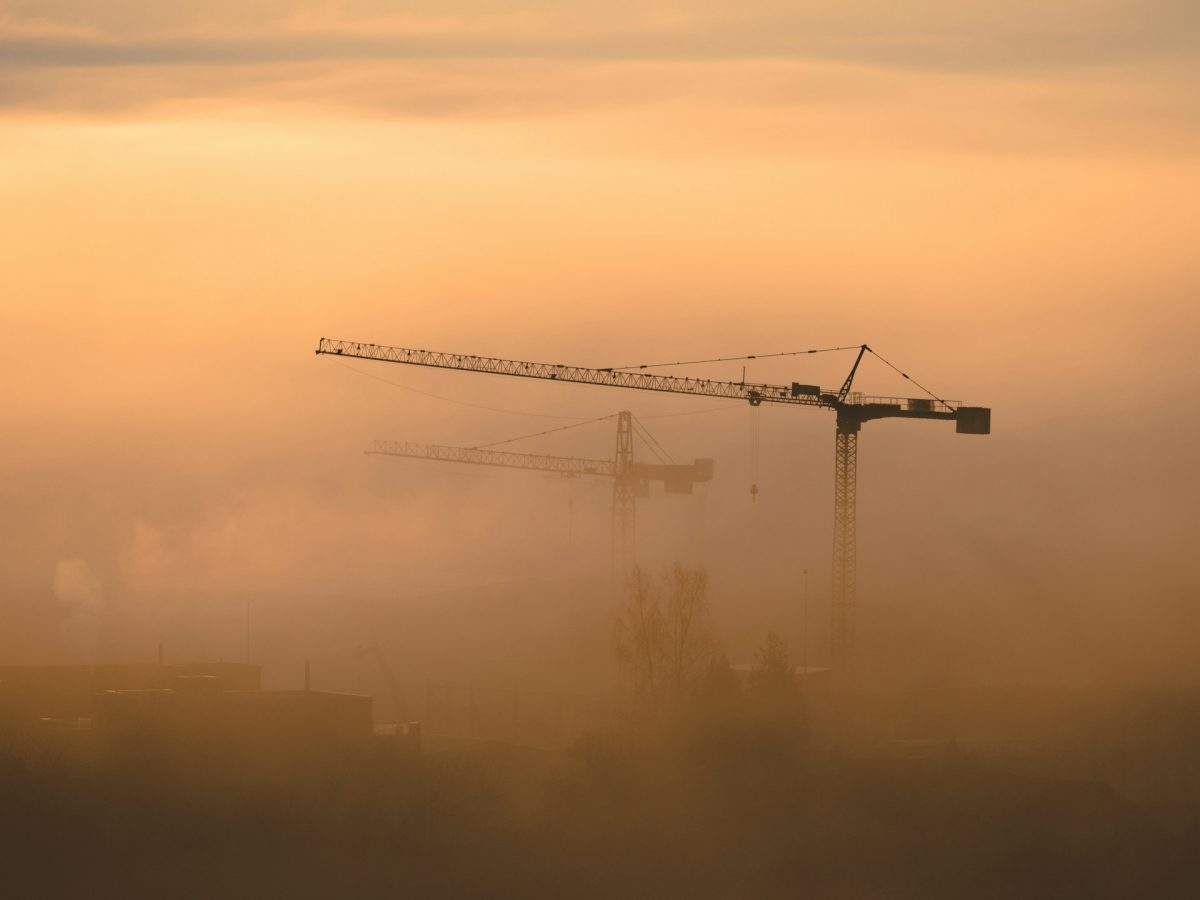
pixel 973 420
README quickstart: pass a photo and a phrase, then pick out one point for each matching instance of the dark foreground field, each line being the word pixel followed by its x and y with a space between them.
pixel 718 811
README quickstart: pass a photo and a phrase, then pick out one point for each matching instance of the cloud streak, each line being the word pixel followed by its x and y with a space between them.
pixel 926 51
pixel 925 34
pixel 464 58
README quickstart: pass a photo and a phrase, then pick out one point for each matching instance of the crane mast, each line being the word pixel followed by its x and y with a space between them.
pixel 853 409
pixel 624 499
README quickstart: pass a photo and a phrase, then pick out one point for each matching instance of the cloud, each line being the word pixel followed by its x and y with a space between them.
pixel 924 34
pixel 474 58
pixel 1010 46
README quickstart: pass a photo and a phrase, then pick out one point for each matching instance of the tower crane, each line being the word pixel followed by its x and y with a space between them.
pixel 630 479
pixel 852 409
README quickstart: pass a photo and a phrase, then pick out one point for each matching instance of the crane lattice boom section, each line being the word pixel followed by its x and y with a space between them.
pixel 561 465
pixel 793 395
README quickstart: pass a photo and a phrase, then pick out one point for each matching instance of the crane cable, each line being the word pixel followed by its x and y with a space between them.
pixel 695 412
pixel 652 442
pixel 640 432
pixel 523 437
pixel 404 387
pixel 696 362
pixel 583 420
pixel 906 377
pixel 718 359
pixel 755 443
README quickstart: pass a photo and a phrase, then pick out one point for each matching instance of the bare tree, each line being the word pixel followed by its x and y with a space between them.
pixel 690 642
pixel 639 635
pixel 773 673
pixel 662 636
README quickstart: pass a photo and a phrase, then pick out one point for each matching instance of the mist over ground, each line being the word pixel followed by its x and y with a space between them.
pixel 999 199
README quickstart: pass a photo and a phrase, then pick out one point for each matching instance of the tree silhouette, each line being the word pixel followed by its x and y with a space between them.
pixel 639 635
pixel 773 673
pixel 662 636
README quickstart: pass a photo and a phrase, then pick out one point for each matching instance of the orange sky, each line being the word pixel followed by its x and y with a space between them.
pixel 1001 197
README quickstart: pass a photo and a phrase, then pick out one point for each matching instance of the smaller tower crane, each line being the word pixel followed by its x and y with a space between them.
pixel 631 479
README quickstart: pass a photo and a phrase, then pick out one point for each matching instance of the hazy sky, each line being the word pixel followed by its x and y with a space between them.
pixel 1000 197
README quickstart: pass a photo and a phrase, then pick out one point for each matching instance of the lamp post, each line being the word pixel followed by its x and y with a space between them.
pixel 248 602
pixel 804 638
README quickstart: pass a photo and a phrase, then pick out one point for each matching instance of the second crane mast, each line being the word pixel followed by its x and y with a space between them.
pixel 853 409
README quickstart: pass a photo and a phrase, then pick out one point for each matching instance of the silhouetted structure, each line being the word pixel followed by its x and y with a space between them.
pixel 853 410
pixel 630 479
pixel 66 692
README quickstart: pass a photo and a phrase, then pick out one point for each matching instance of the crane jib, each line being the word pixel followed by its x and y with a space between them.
pixel 561 465
pixel 865 407
pixel 675 476
pixel 753 393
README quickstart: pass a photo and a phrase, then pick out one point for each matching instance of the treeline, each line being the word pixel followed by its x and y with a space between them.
pixel 691 814
pixel 708 788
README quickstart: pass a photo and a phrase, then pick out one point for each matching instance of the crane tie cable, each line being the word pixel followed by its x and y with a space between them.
pixel 540 433
pixel 649 446
pixel 696 362
pixel 906 377
pixel 517 412
pixel 696 412
pixel 580 420
pixel 652 442
pixel 413 390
